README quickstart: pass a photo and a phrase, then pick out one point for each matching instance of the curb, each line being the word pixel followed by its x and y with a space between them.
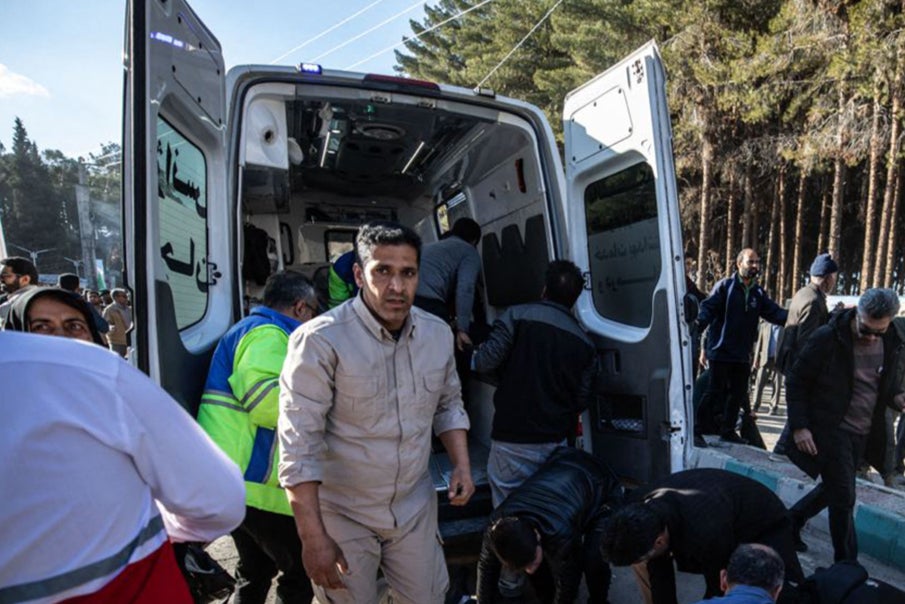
pixel 881 532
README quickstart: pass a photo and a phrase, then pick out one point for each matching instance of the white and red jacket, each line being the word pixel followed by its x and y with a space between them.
pixel 99 467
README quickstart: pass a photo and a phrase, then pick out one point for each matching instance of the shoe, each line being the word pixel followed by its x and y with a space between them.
pixel 800 545
pixel 732 437
pixel 699 441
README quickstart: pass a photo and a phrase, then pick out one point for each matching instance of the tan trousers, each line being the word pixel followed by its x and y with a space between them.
pixel 410 557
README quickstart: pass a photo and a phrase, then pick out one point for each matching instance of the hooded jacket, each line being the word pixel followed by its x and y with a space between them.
pixel 820 383
pixel 731 312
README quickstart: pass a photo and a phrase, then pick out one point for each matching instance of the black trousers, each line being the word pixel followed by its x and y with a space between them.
pixel 268 543
pixel 839 454
pixel 727 392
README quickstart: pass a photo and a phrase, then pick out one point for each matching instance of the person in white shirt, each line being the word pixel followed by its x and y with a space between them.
pixel 102 469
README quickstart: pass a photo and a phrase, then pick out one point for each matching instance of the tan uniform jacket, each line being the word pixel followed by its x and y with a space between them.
pixel 357 407
pixel 120 321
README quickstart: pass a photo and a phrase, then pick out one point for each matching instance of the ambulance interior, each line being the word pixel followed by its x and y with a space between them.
pixel 317 162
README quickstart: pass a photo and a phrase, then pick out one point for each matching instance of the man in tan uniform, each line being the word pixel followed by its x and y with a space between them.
pixel 119 316
pixel 361 388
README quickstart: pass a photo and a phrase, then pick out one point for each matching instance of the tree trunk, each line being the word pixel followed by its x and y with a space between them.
pixel 893 231
pixel 770 281
pixel 746 211
pixel 704 232
pixel 731 219
pixel 892 173
pixel 781 288
pixel 838 181
pixel 799 227
pixel 873 183
pixel 824 220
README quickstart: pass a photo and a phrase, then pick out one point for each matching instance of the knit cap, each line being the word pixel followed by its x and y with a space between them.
pixel 823 265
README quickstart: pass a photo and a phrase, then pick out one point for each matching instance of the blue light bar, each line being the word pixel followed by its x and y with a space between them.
pixel 310 68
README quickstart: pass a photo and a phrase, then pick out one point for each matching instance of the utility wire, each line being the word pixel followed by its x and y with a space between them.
pixel 325 32
pixel 426 31
pixel 522 41
pixel 366 32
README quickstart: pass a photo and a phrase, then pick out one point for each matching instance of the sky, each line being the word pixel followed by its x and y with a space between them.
pixel 61 60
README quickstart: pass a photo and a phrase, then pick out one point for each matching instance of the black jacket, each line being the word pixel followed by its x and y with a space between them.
pixel 565 498
pixel 708 513
pixel 547 366
pixel 731 312
pixel 820 383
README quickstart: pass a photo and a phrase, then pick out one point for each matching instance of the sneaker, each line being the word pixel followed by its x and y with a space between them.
pixel 732 437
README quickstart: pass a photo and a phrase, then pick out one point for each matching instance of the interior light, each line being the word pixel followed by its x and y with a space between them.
pixel 411 160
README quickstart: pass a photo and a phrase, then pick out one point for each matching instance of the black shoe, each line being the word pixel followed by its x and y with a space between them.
pixel 699 441
pixel 732 437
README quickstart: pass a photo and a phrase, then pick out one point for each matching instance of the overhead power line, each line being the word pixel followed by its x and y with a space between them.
pixel 368 31
pixel 426 31
pixel 325 32
pixel 522 41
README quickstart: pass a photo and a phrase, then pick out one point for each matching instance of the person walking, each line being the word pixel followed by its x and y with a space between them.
pixel 838 390
pixel 119 316
pixel 361 387
pixel 807 312
pixel 730 315
pixel 239 411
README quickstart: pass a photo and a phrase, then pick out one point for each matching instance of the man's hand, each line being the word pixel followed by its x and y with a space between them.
pixel 702 359
pixel 324 562
pixel 461 486
pixel 463 341
pixel 804 440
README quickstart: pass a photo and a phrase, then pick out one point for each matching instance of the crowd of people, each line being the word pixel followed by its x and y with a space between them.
pixel 27 305
pixel 314 432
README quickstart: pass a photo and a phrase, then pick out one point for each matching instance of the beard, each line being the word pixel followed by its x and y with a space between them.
pixel 750 273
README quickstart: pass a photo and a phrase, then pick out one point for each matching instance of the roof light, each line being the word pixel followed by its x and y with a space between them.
pixel 310 68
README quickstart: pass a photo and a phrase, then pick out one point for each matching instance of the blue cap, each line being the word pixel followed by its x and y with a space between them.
pixel 823 265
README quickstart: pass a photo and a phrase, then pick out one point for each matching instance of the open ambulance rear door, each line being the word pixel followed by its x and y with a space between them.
pixel 624 232
pixel 178 234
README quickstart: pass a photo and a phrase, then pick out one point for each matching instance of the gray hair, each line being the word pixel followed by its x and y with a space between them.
pixel 878 303
pixel 285 288
pixel 756 565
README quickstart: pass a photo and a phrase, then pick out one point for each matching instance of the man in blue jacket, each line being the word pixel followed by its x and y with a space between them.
pixel 730 314
pixel 754 576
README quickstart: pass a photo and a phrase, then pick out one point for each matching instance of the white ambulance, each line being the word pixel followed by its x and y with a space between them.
pixel 308 154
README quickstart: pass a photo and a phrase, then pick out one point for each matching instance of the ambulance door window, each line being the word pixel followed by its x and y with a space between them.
pixel 624 244
pixel 182 208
